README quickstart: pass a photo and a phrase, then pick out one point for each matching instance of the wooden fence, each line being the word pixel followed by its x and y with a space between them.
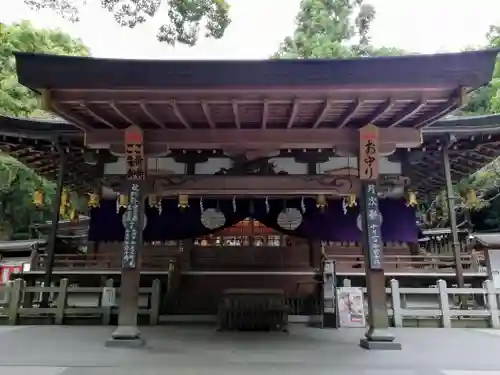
pixel 17 301
pixel 446 309
pixel 436 303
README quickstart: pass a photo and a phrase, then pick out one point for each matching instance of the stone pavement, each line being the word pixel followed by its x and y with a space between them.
pixel 183 350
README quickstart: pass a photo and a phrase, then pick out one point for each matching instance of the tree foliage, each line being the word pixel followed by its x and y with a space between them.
pixel 17 186
pixel 15 99
pixel 18 182
pixel 486 100
pixel 332 29
pixel 484 213
pixel 185 18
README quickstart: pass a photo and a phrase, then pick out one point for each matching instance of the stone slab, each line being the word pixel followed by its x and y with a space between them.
pixel 379 345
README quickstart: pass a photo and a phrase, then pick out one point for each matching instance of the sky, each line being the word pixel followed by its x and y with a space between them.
pixel 258 27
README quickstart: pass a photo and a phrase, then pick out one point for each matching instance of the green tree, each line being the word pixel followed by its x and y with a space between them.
pixel 486 100
pixel 332 29
pixel 18 182
pixel 17 187
pixel 15 99
pixel 185 18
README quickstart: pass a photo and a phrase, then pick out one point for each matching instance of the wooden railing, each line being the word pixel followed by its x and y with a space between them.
pixel 442 304
pixel 411 263
pixel 255 258
pixel 102 262
pixel 71 302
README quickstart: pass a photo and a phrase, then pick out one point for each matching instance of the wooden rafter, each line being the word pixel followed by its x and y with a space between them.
pixel 96 116
pixel 265 114
pixel 175 107
pixel 294 113
pixel 236 113
pixel 148 113
pixel 349 113
pixel 120 113
pixel 208 115
pixel 409 111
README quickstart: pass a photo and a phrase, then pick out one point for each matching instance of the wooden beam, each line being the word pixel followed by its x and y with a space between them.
pixel 253 185
pixel 275 139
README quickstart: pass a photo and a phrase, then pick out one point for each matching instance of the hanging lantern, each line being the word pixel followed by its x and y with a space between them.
pixel 321 202
pixel 38 198
pixel 74 217
pixel 351 200
pixel 183 201
pixel 411 200
pixel 470 197
pixel 93 200
pixel 65 197
pixel 153 201
pixel 123 201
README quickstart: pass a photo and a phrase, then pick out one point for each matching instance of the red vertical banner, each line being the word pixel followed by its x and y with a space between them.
pixel 134 153
pixel 369 153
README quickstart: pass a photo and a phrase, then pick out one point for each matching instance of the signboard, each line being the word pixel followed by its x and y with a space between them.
pixel 108 297
pixel 351 307
pixel 136 174
pixel 369 153
pixel 133 227
pixel 372 220
pixel 134 153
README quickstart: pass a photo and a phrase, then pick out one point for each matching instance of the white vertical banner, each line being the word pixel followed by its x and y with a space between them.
pixel 351 307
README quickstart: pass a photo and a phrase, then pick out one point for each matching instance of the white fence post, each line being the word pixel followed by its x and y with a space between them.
pixel 444 304
pixel 492 304
pixel 106 310
pixel 155 299
pixel 397 318
pixel 15 291
pixel 62 298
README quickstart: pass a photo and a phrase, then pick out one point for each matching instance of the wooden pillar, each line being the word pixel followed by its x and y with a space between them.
pixel 51 243
pixel 127 333
pixel 455 242
pixel 377 336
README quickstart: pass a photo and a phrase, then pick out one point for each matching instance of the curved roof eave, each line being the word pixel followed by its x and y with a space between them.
pixel 470 69
pixel 38 128
pixel 466 125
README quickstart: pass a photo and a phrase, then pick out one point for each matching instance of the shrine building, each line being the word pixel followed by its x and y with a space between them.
pixel 248 175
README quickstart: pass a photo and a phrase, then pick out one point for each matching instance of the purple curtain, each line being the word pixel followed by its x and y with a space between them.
pixel 399 221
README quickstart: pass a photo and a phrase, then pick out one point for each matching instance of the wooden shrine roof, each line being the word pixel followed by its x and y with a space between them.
pixel 31 142
pixel 408 91
pixel 473 142
pixel 403 92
